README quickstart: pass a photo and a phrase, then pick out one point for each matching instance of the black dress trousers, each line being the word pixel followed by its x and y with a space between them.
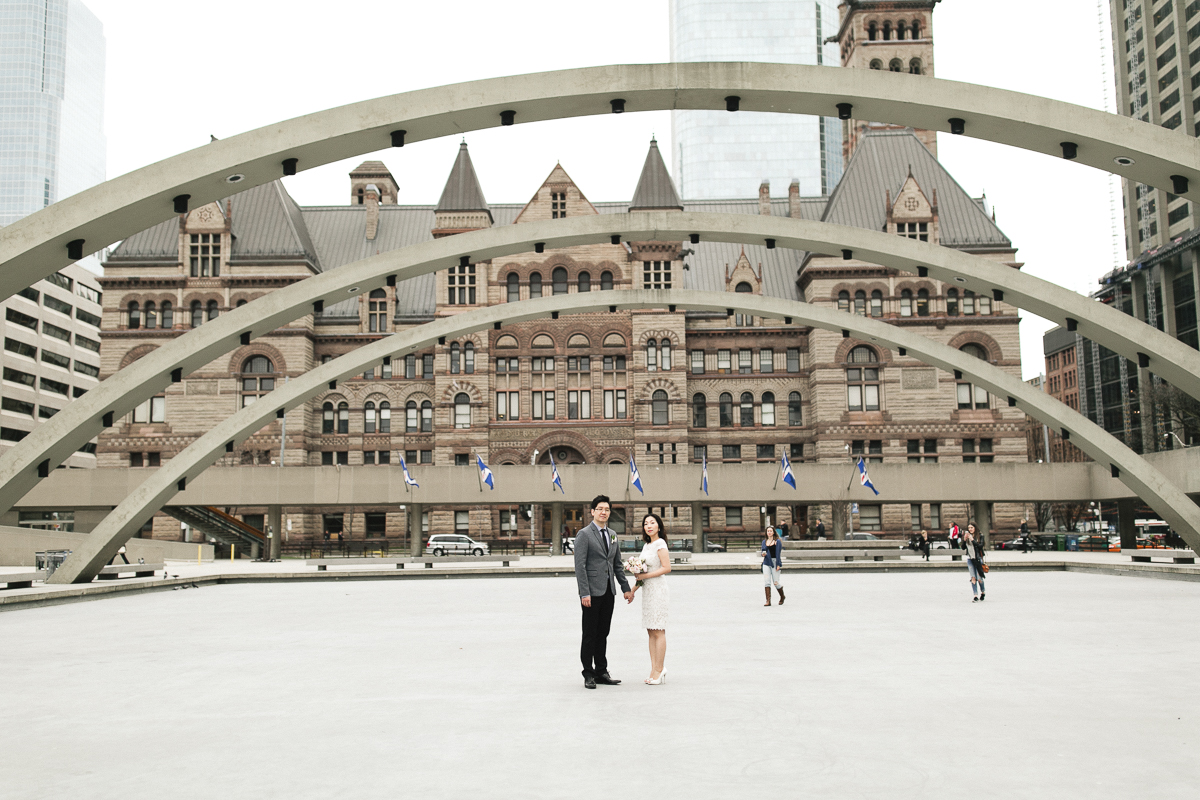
pixel 593 651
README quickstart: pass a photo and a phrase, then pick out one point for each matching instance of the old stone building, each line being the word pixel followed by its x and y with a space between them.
pixel 671 388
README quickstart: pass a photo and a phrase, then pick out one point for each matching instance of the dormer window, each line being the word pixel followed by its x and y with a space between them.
pixel 377 311
pixel 460 283
pixel 558 205
pixel 913 230
pixel 204 255
pixel 656 274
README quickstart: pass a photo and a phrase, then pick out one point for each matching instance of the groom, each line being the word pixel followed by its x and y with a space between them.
pixel 597 562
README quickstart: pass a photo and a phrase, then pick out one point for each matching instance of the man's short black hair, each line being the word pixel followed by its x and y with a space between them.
pixel 598 499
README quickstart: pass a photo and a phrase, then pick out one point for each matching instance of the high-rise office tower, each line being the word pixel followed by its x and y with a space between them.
pixel 722 155
pixel 51 103
pixel 1164 89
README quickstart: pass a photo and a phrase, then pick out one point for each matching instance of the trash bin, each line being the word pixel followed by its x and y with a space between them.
pixel 1060 541
pixel 50 560
pixel 1072 541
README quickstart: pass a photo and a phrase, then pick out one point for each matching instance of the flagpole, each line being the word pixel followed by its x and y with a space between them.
pixel 478 472
pixel 777 474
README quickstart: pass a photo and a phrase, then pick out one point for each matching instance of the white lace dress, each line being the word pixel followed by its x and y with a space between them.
pixel 656 597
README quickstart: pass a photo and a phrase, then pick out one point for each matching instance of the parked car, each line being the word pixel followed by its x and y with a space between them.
pixel 454 544
pixel 860 535
pixel 716 547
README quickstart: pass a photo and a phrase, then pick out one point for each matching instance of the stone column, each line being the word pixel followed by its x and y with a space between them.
pixel 255 551
pixel 983 525
pixel 699 544
pixel 1169 270
pixel 556 521
pixel 1125 522
pixel 416 540
pixel 275 526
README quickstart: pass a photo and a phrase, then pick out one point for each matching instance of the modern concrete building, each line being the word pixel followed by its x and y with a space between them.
pixel 720 155
pixel 52 141
pixel 671 388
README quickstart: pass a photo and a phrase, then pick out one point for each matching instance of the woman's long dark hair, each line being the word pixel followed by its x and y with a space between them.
pixel 662 529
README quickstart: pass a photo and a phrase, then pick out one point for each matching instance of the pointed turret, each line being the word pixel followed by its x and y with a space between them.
pixel 462 206
pixel 655 191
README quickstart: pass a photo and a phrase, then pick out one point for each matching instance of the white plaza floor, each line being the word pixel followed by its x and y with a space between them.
pixel 861 686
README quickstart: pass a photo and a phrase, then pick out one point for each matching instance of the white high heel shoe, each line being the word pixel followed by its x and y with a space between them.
pixel 662 678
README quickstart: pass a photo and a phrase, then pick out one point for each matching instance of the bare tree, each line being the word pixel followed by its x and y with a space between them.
pixel 1069 514
pixel 1042 514
pixel 1179 409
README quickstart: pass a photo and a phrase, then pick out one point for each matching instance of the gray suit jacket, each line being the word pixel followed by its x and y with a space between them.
pixel 593 570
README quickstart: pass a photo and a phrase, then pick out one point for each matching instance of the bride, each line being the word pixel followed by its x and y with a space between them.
pixel 656 596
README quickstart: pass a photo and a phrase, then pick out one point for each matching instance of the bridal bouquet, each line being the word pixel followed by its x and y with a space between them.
pixel 634 565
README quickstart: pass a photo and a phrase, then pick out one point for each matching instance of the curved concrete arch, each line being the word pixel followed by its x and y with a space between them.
pixel 37 245
pixel 1168 500
pixel 50 443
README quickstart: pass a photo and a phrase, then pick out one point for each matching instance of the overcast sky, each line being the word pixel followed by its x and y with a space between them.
pixel 178 72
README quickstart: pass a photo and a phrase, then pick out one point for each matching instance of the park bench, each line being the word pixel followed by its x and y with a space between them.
pixel 864 554
pixel 1144 556
pixel 322 564
pixel 22 580
pixel 113 571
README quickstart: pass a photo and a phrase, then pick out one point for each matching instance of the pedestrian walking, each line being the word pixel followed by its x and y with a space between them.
pixel 955 535
pixel 924 543
pixel 772 553
pixel 820 529
pixel 1025 535
pixel 783 531
pixel 975 567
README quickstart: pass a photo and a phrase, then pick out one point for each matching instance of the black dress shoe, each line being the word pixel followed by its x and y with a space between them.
pixel 606 679
pixel 589 682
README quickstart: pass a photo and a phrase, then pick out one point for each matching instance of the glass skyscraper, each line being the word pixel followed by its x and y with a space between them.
pixel 722 155
pixel 51 103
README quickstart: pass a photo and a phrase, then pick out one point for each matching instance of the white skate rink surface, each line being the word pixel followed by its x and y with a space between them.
pixel 862 685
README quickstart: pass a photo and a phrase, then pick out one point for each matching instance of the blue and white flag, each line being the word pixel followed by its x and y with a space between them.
pixel 862 477
pixel 788 477
pixel 408 478
pixel 555 478
pixel 485 473
pixel 704 477
pixel 634 476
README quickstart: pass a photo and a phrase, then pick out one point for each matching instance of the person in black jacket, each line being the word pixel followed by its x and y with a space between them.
pixel 924 543
pixel 973 544
pixel 772 553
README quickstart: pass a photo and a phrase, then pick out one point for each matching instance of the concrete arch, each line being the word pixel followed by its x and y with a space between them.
pixel 37 245
pixel 52 442
pixel 1151 485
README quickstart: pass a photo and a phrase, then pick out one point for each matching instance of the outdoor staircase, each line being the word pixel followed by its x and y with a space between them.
pixel 216 524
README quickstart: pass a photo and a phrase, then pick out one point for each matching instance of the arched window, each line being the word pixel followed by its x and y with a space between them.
pixel 922 302
pixel 377 311
pixel 469 358
pixel 151 316
pixel 744 288
pixel 843 301
pixel 411 420
pixel 559 277
pixel 585 281
pixel 343 410
pixel 887 31
pixel 862 382
pixel 952 302
pixel 212 309
pixel 369 417
pixel 658 408
pixel 240 303
pixel 168 315
pixel 768 408
pixel 968 303
pixel 535 284
pixel 258 378
pixel 795 417
pixel 651 355
pixel 746 411
pixel 972 396
pixel 197 314
pixel 135 315
pixel 426 416
pixel 985 304
pixel 905 303
pixel 725 410
pixel 514 287
pixel 876 64
pixel 664 354
pixel 462 410
pixel 860 303
pixel 914 66
pixel 699 411
pixel 454 358
pixel 901 29
pixel 872 31
pixel 385 417
pixel 895 65
pixel 327 418
pixel 876 303
pixel 606 280
pixel 916 29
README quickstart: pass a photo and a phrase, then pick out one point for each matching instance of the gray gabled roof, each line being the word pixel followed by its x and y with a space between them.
pixel 654 188
pixel 462 192
pixel 880 164
pixel 268 223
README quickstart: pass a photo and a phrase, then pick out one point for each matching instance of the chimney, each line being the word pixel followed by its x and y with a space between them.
pixel 764 198
pixel 371 201
pixel 794 199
